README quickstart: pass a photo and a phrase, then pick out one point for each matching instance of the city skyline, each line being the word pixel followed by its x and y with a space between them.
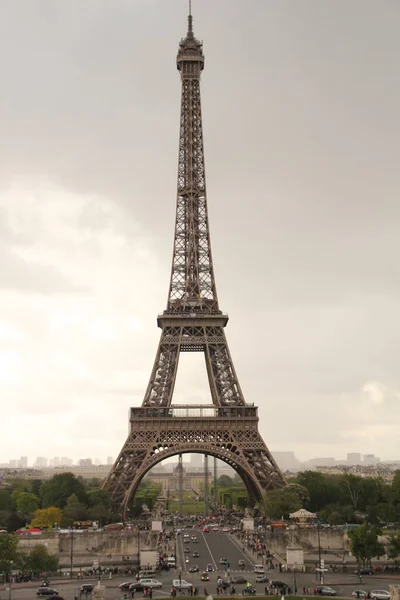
pixel 286 458
pixel 301 140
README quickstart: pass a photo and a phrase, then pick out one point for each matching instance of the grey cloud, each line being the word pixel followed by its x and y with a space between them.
pixel 23 276
pixel 300 107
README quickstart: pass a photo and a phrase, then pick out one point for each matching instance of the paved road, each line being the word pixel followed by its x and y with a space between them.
pixel 212 547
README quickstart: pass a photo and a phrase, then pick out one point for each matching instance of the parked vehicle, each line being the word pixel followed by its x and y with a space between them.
pixel 136 587
pixel 262 579
pixel 361 594
pixel 150 583
pixel 181 584
pixel 87 587
pixel 239 579
pixel 279 585
pixel 364 571
pixel 46 591
pixel 380 595
pixel 325 590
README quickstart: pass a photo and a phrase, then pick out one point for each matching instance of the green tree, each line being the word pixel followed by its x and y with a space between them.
pixel 4 499
pixel 46 518
pixel 364 543
pixel 57 490
pixel 8 551
pixel 27 504
pixel 40 559
pixel 280 503
pixel 74 511
pixel 96 497
pixel 394 546
pixel 99 512
pixel 322 489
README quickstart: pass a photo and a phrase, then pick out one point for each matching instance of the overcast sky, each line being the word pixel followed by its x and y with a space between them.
pixel 301 123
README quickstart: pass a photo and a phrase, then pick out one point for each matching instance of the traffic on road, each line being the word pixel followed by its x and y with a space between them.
pixel 213 561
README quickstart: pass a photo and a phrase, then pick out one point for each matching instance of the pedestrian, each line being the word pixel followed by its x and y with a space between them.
pixel 151 593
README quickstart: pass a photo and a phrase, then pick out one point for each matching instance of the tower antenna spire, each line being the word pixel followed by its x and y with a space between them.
pixel 190 21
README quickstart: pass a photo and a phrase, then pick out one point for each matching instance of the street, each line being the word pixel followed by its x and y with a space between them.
pixel 211 546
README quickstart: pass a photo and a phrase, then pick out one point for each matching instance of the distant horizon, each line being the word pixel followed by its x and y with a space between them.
pixel 174 459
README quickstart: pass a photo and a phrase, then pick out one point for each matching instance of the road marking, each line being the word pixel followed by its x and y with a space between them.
pixel 236 543
pixel 209 549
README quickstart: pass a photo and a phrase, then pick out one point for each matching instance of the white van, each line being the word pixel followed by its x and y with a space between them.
pixel 259 569
pixel 171 562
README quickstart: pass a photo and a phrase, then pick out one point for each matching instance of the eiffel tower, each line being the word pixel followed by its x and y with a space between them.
pixel 228 428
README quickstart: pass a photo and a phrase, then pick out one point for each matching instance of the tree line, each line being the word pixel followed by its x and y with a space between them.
pixel 63 500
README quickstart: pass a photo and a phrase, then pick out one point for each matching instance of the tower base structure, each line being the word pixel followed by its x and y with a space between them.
pixel 227 433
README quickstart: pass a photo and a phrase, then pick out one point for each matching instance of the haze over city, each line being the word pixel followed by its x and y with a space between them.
pixel 301 127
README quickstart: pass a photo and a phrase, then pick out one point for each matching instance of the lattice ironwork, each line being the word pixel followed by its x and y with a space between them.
pixel 193 322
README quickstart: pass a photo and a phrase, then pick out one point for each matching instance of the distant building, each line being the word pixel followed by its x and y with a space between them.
pixel 371 459
pixel 23 462
pixel 85 462
pixel 286 460
pixel 353 458
pixel 110 460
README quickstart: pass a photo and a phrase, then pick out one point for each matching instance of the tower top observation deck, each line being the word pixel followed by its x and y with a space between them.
pixel 190 49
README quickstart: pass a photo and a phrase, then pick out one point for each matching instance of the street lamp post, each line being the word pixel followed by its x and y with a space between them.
pixel 138 548
pixel 72 551
pixel 9 588
pixel 319 556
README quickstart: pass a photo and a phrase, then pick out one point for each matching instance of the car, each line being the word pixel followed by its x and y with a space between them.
pixel 194 569
pixel 87 587
pixel 124 586
pixel 150 583
pixel 187 560
pixel 279 585
pixel 223 561
pixel 147 574
pixel 195 541
pixel 186 541
pixel 259 569
pixel 205 576
pixel 239 579
pixel 196 555
pixel 325 590
pixel 210 568
pixel 380 595
pixel 193 538
pixel 262 579
pixel 359 594
pixel 364 571
pixel 181 584
pixel 206 529
pixel 226 529
pixel 241 563
pixel 136 587
pixel 186 551
pixel 46 591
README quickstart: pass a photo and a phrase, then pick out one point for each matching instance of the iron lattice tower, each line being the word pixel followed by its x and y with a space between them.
pixel 227 428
